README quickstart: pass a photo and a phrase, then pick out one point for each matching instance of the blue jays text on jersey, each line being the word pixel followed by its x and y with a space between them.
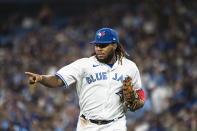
pixel 103 76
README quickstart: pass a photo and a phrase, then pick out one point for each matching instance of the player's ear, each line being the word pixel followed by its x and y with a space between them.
pixel 114 46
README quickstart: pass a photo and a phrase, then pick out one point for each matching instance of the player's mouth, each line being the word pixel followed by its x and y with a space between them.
pixel 100 55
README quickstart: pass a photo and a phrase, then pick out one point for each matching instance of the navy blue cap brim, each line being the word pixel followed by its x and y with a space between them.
pixel 102 42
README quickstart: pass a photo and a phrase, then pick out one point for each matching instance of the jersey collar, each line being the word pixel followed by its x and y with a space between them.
pixel 116 64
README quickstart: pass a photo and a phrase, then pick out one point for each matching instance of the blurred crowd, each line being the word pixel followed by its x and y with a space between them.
pixel 160 36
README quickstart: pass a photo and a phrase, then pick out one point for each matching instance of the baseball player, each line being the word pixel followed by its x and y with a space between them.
pixel 108 84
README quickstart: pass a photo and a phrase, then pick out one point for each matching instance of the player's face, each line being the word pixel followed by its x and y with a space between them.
pixel 105 52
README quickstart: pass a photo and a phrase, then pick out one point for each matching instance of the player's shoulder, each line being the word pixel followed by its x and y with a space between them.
pixel 129 62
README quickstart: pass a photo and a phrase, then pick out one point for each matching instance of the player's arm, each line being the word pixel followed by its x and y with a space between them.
pixel 139 101
pixel 133 98
pixel 140 97
pixel 47 80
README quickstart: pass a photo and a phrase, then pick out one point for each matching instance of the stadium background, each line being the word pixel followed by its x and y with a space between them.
pixel 43 35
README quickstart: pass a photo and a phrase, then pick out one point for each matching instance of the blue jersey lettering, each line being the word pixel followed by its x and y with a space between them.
pixel 120 78
pixel 99 76
pixel 104 75
pixel 92 78
pixel 88 80
pixel 115 77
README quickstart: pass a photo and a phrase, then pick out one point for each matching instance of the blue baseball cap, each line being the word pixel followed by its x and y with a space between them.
pixel 105 35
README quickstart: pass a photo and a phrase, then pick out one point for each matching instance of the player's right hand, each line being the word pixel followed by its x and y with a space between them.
pixel 33 78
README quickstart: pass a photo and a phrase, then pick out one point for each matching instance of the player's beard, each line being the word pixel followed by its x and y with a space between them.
pixel 108 59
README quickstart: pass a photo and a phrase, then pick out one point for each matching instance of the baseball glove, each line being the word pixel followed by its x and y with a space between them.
pixel 130 97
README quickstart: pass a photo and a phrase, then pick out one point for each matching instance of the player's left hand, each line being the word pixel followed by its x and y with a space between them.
pixel 129 94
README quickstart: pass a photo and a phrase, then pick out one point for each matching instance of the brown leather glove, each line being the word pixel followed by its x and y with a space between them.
pixel 130 97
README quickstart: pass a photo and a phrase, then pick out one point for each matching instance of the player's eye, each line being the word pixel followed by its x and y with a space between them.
pixel 102 45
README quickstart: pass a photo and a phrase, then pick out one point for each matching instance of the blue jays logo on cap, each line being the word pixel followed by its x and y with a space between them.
pixel 106 35
pixel 101 34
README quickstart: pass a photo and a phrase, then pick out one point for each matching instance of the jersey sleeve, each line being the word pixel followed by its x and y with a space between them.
pixel 71 73
pixel 137 79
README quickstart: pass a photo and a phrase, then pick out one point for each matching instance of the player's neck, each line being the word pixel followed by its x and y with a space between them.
pixel 113 60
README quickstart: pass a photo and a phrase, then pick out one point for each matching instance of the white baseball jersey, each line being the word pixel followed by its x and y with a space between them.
pixel 99 86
